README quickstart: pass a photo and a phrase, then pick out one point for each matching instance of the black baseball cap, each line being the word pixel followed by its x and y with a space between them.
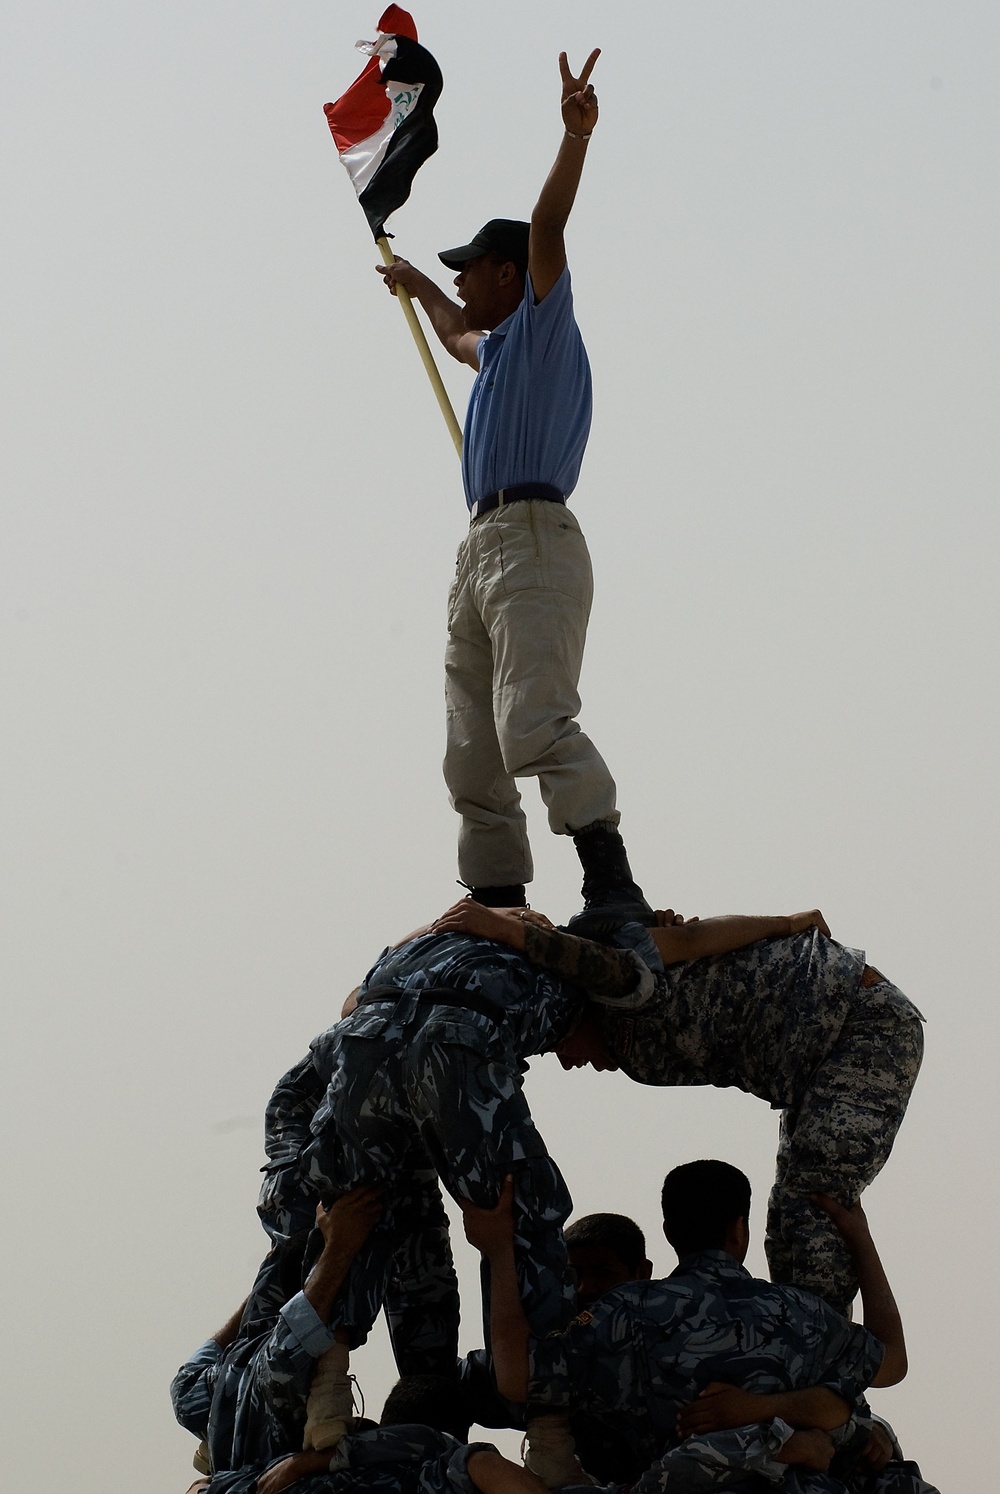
pixel 504 236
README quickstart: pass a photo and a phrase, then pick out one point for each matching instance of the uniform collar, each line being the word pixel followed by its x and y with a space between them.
pixel 711 1265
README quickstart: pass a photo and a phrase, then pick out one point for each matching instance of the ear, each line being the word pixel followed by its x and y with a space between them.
pixel 738 1239
pixel 645 1272
pixel 508 273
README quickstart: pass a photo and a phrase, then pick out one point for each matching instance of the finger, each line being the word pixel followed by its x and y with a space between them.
pixel 564 71
pixel 588 66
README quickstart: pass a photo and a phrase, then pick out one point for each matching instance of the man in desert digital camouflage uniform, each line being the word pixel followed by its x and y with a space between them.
pixel 772 1006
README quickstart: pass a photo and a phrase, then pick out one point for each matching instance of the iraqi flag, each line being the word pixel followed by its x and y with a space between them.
pixel 383 126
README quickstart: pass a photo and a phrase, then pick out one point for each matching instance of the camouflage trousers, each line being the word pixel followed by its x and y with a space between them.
pixel 463 1106
pixel 836 1140
pixel 422 1304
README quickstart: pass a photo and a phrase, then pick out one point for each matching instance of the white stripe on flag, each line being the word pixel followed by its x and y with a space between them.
pixel 363 159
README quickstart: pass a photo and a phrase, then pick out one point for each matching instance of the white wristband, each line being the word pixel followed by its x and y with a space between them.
pixel 574 136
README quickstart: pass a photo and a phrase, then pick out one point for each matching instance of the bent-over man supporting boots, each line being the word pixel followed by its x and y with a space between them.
pixel 428 1064
pixel 520 603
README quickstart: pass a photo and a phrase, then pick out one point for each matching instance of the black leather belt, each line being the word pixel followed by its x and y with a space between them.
pixel 543 492
pixel 470 1000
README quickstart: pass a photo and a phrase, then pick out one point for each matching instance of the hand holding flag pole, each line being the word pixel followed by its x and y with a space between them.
pixel 384 130
pixel 419 337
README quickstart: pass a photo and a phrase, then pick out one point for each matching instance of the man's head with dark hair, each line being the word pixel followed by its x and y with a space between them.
pixel 606 1251
pixel 706 1206
pixel 491 268
pixel 429 1401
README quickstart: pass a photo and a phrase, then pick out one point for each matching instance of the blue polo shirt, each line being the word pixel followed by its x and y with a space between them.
pixel 530 408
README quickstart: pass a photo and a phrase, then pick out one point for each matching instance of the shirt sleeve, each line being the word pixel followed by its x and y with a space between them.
pixel 553 307
pixel 615 977
pixel 192 1386
pixel 306 1326
pixel 456 1469
pixel 488 1405
pixel 587 1366
pixel 854 1356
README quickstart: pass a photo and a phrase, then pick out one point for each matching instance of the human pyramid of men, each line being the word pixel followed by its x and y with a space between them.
pixel 707 1378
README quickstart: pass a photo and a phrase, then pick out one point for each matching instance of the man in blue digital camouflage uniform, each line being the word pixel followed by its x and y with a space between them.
pixel 519 606
pixel 420 1446
pixel 770 1005
pixel 658 1360
pixel 428 1064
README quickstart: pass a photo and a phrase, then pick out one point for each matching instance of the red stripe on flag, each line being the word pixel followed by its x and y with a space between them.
pixel 397 22
pixel 363 109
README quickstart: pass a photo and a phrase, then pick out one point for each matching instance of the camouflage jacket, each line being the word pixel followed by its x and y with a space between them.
pixel 645 1349
pixel 759 1018
pixel 538 1009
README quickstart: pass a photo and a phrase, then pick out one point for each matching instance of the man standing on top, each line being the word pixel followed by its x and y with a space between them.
pixel 519 605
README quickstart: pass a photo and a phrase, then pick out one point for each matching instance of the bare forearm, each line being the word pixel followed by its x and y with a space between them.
pixel 494 1474
pixel 509 1330
pixel 715 936
pixel 816 1407
pixel 555 201
pixel 881 1315
pixel 326 1278
pixel 444 314
pixel 722 1407
pixel 231 1327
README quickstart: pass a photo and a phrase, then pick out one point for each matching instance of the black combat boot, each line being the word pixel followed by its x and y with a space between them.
pixel 500 897
pixel 610 895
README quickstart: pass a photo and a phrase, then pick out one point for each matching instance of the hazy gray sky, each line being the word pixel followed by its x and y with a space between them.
pixel 230 516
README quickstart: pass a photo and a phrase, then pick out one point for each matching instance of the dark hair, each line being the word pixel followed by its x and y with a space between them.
pixel 430 1401
pixel 700 1201
pixel 615 1232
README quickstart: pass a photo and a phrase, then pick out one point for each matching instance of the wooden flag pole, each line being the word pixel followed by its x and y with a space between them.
pixel 409 311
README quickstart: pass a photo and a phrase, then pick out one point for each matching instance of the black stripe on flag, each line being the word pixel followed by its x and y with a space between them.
pixel 414 140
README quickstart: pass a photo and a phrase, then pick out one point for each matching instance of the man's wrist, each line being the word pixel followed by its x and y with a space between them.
pixel 575 135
